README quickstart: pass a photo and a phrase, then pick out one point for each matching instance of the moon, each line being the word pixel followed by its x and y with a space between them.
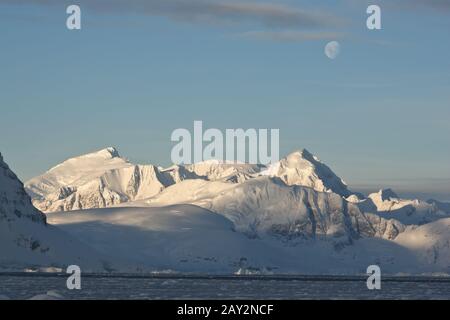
pixel 332 49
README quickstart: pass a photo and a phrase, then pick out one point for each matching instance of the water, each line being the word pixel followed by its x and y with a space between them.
pixel 25 286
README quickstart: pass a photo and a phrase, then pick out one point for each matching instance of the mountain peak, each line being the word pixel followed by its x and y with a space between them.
pixel 90 160
pixel 302 154
pixel 383 195
pixel 387 194
pixel 109 152
pixel 3 165
pixel 303 168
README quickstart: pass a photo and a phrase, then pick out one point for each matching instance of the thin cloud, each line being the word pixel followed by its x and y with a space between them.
pixel 290 35
pixel 433 4
pixel 440 6
pixel 219 11
pixel 352 85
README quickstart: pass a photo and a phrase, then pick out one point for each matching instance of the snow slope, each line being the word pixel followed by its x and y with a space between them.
pixel 267 205
pixel 430 243
pixel 27 241
pixel 187 238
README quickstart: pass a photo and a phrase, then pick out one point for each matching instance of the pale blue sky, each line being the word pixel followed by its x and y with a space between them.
pixel 378 114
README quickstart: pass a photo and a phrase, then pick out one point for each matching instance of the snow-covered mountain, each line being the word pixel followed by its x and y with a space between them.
pixel 304 169
pixel 103 179
pixel 386 203
pixel 214 170
pixel 27 241
pixel 96 180
pixel 442 206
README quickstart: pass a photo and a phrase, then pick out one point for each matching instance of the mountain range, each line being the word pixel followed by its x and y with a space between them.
pixel 103 178
pixel 294 216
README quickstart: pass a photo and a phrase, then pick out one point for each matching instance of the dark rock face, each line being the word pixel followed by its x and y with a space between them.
pixel 14 201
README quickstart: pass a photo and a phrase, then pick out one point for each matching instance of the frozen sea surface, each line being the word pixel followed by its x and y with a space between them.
pixel 127 286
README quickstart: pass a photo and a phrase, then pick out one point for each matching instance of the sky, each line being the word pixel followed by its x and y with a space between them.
pixel 378 114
